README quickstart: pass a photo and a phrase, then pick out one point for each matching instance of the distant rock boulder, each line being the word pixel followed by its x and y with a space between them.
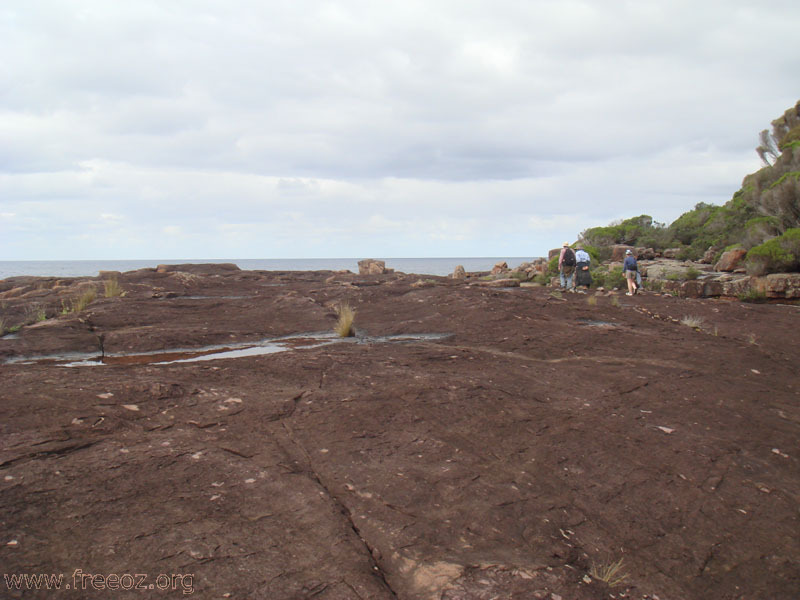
pixel 459 273
pixel 370 266
pixel 671 253
pixel 618 252
pixel 708 257
pixel 730 260
pixel 501 267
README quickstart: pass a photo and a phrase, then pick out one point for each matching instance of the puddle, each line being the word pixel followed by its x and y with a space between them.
pixel 592 323
pixel 212 297
pixel 222 351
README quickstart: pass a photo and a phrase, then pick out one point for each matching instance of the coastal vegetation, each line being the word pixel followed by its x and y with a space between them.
pixel 766 208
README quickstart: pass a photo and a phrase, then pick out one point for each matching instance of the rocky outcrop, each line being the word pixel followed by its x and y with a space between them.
pixel 499 268
pixel 777 285
pixel 459 273
pixel 370 266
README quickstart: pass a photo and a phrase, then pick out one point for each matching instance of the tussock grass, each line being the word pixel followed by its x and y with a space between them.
pixel 693 322
pixel 84 300
pixel 615 301
pixel 35 313
pixel 751 339
pixel 611 573
pixel 591 300
pixel 112 288
pixel 344 325
pixel 2 327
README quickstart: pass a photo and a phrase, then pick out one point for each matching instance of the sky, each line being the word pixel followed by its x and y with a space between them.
pixel 194 129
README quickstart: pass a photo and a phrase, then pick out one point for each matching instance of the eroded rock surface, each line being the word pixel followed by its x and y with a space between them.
pixel 542 439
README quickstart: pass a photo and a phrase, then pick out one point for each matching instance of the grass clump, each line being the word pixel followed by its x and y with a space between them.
pixel 79 303
pixel 35 313
pixel 344 324
pixel 112 288
pixel 693 322
pixel 692 273
pixel 611 573
pixel 2 327
pixel 591 300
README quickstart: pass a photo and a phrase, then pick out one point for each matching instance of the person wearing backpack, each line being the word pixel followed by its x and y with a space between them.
pixel 630 270
pixel 566 266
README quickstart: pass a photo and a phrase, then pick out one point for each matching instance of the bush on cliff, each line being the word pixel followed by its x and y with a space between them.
pixel 778 255
pixel 637 231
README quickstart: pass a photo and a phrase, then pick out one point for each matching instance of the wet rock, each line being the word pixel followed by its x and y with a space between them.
pixel 498 283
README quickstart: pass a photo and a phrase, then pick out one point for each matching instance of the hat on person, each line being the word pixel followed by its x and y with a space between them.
pixel 628 252
pixel 565 244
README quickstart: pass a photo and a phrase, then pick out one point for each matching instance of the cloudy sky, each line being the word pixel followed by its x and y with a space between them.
pixel 194 129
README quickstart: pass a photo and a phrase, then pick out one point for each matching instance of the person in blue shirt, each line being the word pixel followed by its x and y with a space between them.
pixel 630 269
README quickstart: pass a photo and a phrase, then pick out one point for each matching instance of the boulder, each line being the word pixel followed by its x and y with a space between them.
pixel 712 288
pixel 459 273
pixel 644 253
pixel 730 260
pixel 501 267
pixel 735 287
pixel 108 274
pixel 708 257
pixel 552 253
pixel 671 252
pixel 618 252
pixel 370 266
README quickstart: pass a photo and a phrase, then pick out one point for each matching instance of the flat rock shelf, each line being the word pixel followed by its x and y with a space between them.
pixel 470 443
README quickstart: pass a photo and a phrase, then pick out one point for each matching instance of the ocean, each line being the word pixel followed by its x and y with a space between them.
pixel 90 268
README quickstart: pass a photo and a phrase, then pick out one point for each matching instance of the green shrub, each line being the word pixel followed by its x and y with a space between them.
pixel 753 296
pixel 778 255
pixel 692 273
pixel 552 266
pixel 615 279
pixel 637 231
pixel 790 175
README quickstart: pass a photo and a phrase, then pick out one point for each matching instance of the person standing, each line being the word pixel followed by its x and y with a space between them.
pixel 582 275
pixel 566 266
pixel 630 269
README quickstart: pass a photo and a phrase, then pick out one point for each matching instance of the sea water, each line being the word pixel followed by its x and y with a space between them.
pixel 90 268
